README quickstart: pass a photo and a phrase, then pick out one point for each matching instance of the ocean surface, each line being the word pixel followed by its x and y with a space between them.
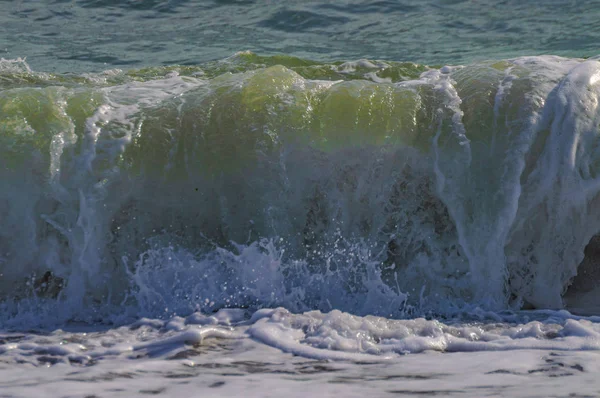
pixel 309 198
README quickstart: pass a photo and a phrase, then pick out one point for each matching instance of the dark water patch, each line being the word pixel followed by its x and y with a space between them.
pixel 426 392
pixel 452 2
pixel 295 21
pixel 11 338
pixel 241 368
pixel 588 271
pixel 373 7
pixel 550 372
pixel 371 378
pixel 101 59
pixel 317 368
pixel 62 13
pixel 49 360
pixel 185 354
pixel 179 375
pixel 551 368
pixel 153 392
pixel 233 2
pixel 555 368
pixel 213 366
pixel 103 377
pixel 44 18
pixel 217 384
pixel 146 5
pixel 254 366
pixel 343 380
pixel 185 62
pixel 577 367
pixel 503 371
pixel 408 377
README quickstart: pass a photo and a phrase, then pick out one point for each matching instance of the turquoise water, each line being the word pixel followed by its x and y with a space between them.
pixel 93 35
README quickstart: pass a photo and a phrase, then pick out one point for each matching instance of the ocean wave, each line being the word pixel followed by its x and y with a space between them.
pixel 367 186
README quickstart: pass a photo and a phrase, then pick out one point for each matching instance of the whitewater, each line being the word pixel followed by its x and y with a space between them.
pixel 267 225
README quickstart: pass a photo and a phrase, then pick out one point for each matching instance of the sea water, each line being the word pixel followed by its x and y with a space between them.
pixel 230 198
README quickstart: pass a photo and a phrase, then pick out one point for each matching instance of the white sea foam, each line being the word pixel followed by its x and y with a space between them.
pixel 231 350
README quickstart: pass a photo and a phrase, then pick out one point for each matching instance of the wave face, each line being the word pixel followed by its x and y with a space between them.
pixel 370 187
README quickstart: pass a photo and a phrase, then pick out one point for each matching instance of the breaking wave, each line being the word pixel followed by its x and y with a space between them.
pixel 370 187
